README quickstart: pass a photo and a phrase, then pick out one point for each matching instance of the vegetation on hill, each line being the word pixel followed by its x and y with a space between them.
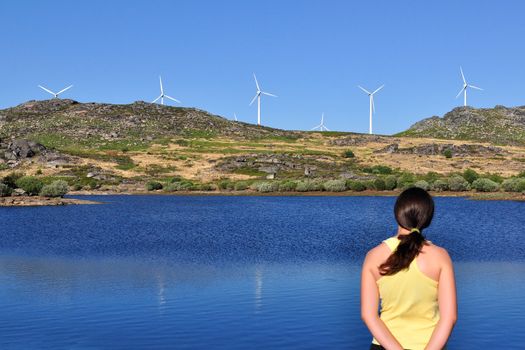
pixel 48 147
pixel 499 125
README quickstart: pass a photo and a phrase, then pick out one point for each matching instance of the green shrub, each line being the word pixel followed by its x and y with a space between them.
pixel 348 154
pixel 226 185
pixel 458 183
pixel 439 185
pixel 57 188
pixel 184 185
pixel 153 185
pixel 422 184
pixel 5 191
pixel 240 186
pixel 355 185
pixel 470 175
pixel 494 177
pixel 378 169
pixel 447 153
pixel 267 186
pixel 405 181
pixel 335 185
pixel 430 177
pixel 485 185
pixel 207 187
pixel 287 186
pixel 10 179
pixel 30 184
pixel 308 185
pixel 390 182
pixel 176 178
pixel 379 184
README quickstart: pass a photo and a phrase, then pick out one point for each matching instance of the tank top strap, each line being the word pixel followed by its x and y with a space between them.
pixel 392 242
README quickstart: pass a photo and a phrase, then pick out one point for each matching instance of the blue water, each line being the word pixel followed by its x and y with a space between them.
pixel 163 272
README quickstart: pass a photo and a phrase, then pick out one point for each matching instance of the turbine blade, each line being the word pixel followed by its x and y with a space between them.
pixel 155 100
pixel 365 90
pixel 382 86
pixel 327 128
pixel 171 98
pixel 253 100
pixel 315 127
pixel 43 88
pixel 460 91
pixel 462 75
pixel 475 87
pixel 256 83
pixel 268 94
pixel 61 91
pixel 161 89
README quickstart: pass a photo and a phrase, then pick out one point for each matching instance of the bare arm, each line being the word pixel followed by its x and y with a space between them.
pixel 369 307
pixel 447 305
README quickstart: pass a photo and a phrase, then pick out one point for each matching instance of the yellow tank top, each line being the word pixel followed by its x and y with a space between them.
pixel 409 306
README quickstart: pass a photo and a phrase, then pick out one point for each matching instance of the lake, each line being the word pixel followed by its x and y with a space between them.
pixel 224 272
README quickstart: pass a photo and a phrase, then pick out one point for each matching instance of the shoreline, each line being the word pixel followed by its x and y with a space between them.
pixel 515 196
pixel 37 201
pixel 28 201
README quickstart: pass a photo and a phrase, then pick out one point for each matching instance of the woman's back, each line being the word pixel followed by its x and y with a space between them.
pixel 409 298
pixel 413 279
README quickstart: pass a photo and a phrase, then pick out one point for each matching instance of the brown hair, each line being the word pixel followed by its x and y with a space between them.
pixel 414 209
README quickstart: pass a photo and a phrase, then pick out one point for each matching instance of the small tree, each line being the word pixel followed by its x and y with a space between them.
pixel 390 182
pixel 153 185
pixel 30 184
pixel 335 185
pixel 55 189
pixel 348 154
pixel 447 153
pixel 439 185
pixel 458 183
pixel 422 184
pixel 470 175
pixel 485 185
pixel 5 191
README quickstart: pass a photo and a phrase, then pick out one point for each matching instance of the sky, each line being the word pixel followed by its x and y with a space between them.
pixel 311 54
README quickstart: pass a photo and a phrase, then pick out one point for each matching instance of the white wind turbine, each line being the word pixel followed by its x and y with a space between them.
pixel 258 97
pixel 464 88
pixel 162 95
pixel 235 116
pixel 372 106
pixel 321 126
pixel 55 94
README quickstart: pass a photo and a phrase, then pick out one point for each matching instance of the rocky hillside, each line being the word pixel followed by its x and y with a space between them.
pixel 59 122
pixel 499 125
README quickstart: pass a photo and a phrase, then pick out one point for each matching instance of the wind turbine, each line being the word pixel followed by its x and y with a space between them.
pixel 464 88
pixel 372 106
pixel 162 95
pixel 55 94
pixel 321 126
pixel 258 97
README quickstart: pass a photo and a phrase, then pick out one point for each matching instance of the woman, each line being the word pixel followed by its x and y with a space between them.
pixel 414 280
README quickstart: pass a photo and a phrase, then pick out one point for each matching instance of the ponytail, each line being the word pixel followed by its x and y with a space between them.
pixel 407 250
pixel 414 209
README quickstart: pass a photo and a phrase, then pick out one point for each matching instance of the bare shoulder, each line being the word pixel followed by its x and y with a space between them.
pixel 378 254
pixel 437 252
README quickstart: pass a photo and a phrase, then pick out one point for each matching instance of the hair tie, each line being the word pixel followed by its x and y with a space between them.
pixel 415 229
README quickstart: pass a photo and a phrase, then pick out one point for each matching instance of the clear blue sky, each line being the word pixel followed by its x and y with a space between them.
pixel 312 54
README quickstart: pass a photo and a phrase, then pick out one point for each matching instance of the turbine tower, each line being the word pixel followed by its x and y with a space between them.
pixel 55 94
pixel 258 97
pixel 321 126
pixel 162 95
pixel 372 106
pixel 464 88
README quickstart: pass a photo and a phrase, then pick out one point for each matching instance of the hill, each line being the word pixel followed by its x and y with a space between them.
pixel 499 125
pixel 120 148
